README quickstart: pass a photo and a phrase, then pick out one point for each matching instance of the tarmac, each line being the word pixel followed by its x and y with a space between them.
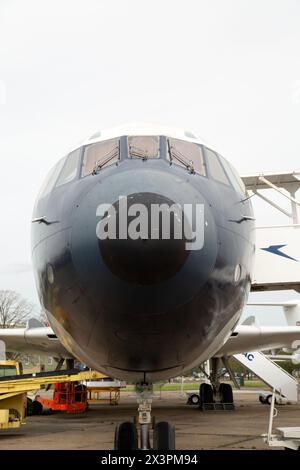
pixel 195 430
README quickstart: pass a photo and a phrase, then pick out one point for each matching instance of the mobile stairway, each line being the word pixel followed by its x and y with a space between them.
pixel 270 373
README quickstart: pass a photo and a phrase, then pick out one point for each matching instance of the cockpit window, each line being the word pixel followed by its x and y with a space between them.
pixel 216 170
pixel 187 154
pixel 51 178
pixel 235 178
pixel 143 147
pixel 70 168
pixel 98 155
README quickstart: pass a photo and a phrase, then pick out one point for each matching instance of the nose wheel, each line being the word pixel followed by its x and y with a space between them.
pixel 126 434
pixel 164 436
pixel 126 437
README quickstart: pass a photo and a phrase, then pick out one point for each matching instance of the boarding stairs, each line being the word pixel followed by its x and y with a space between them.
pixel 270 373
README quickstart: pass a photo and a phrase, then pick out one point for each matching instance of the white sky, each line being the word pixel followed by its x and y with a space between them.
pixel 230 70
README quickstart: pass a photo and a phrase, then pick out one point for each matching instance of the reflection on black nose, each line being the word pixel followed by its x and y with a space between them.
pixel 147 259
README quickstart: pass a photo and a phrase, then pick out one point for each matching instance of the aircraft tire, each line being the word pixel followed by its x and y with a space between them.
pixel 164 436
pixel 126 437
pixel 206 394
pixel 226 393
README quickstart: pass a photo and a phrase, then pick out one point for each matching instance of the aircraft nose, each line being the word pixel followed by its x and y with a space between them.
pixel 143 257
pixel 142 280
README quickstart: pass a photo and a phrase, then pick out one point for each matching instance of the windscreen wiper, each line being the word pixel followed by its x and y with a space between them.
pixel 137 152
pixel 109 156
pixel 175 154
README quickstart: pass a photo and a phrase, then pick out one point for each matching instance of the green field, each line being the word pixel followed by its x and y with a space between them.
pixel 176 387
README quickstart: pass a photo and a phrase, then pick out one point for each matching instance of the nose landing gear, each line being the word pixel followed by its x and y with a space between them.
pixel 126 434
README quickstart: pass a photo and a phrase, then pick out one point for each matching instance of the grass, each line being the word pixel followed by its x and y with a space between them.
pixel 176 387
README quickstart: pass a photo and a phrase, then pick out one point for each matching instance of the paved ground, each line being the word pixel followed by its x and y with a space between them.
pixel 240 429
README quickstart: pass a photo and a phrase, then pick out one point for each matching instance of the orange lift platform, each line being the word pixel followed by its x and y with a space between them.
pixel 70 397
pixel 75 397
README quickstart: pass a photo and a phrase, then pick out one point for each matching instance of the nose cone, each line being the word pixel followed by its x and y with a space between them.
pixel 141 263
pixel 154 247
pixel 144 288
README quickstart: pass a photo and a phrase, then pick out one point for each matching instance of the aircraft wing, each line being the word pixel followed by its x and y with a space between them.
pixel 259 338
pixel 34 339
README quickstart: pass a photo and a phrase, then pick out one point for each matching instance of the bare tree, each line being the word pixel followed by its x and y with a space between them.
pixel 14 310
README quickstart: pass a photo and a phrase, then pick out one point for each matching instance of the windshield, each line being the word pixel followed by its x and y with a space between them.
pixel 98 155
pixel 187 154
pixel 143 147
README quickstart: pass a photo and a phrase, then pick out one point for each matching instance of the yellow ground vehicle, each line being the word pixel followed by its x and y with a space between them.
pixel 14 387
pixel 12 404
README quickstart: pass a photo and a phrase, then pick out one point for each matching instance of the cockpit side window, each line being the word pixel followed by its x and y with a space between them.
pixel 51 179
pixel 235 178
pixel 70 168
pixel 216 169
pixel 100 154
pixel 143 146
pixel 187 154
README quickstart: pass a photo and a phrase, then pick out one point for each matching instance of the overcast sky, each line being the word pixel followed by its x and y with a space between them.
pixel 229 70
